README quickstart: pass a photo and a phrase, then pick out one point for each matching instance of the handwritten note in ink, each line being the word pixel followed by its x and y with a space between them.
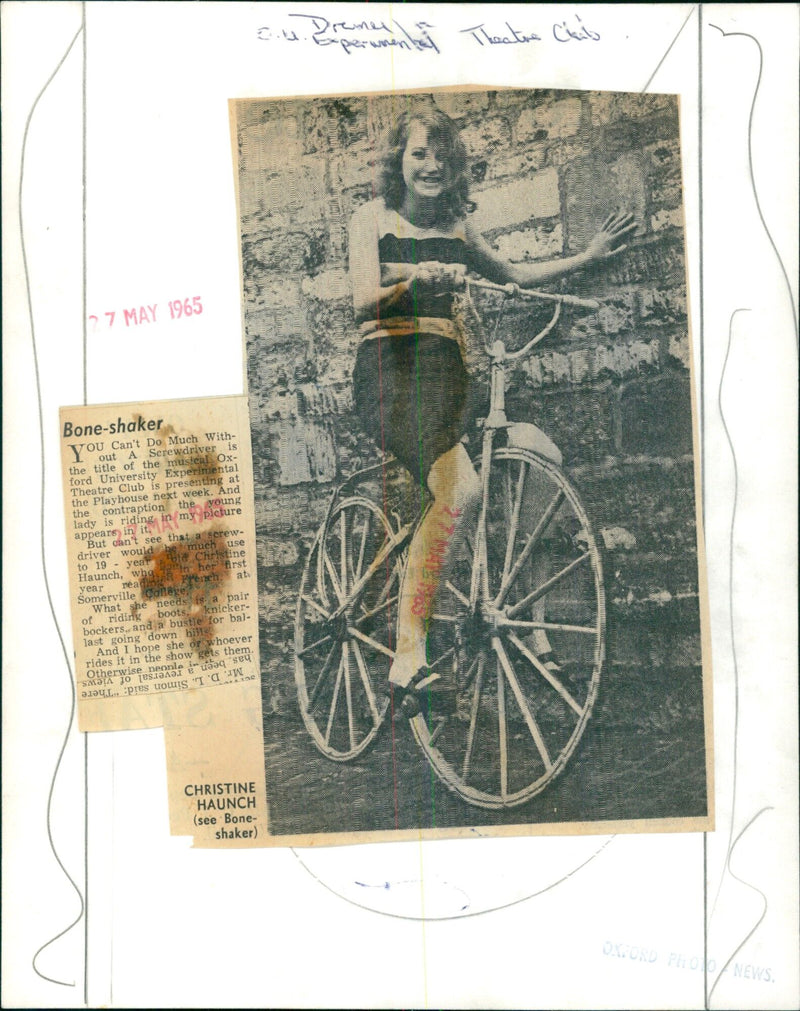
pixel 349 37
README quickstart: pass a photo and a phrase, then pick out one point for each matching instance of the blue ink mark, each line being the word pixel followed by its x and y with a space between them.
pixel 579 33
pixel 483 37
pixel 352 36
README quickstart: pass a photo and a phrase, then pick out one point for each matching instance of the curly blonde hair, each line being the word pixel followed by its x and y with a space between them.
pixel 444 135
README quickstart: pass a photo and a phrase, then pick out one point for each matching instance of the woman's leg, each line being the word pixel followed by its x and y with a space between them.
pixel 456 490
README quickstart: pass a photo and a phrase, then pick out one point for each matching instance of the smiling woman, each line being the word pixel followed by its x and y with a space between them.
pixel 410 250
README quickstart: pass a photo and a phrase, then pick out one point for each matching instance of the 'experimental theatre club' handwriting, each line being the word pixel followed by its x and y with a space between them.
pixel 348 36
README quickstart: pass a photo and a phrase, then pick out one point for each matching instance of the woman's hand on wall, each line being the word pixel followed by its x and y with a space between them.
pixel 610 240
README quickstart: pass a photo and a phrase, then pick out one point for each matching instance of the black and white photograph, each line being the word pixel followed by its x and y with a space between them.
pixel 469 365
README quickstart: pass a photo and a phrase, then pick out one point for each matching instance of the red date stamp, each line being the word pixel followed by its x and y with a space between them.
pixel 178 308
pixel 434 560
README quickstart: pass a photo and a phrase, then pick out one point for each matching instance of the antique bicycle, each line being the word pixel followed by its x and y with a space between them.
pixel 528 565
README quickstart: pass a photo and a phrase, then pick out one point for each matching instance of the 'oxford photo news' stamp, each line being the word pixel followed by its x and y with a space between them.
pixel 480 568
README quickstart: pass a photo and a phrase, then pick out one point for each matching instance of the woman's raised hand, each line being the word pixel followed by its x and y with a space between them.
pixel 610 240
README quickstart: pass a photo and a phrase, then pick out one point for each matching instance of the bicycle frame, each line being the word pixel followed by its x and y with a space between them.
pixel 344 695
pixel 497 420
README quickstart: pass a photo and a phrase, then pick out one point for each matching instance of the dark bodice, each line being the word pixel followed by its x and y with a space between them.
pixel 392 249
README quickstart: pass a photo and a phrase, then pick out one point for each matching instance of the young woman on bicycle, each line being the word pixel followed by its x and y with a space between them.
pixel 409 250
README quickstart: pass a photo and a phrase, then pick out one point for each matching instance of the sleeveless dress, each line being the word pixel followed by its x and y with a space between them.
pixel 410 383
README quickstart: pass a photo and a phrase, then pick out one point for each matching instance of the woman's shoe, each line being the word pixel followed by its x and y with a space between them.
pixel 425 687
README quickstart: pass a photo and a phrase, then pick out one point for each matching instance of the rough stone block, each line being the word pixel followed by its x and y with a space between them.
pixel 679 349
pixel 333 124
pixel 273 553
pixel 662 258
pixel 356 166
pixel 510 98
pixel 609 107
pixel 327 284
pixel 517 202
pixel 549 121
pixel 287 190
pixel 651 498
pixel 615 317
pixel 487 137
pixel 655 416
pixel 581 423
pixel 539 242
pixel 500 168
pixel 269 146
pixel 457 104
pixel 667 219
pixel 286 251
pixel 660 306
pixel 595 188
pixel 305 451
pixel 664 173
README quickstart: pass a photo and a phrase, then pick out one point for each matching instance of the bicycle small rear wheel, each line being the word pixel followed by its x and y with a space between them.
pixel 518 628
pixel 344 636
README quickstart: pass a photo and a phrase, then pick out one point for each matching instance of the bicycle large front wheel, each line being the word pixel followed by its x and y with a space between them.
pixel 518 627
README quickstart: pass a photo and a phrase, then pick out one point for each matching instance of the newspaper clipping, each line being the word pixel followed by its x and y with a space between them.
pixel 441 572
pixel 479 547
pixel 158 502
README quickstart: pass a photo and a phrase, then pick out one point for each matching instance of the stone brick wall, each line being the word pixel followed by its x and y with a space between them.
pixel 611 388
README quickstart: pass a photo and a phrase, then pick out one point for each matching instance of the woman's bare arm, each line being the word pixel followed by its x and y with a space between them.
pixel 608 242
pixel 373 293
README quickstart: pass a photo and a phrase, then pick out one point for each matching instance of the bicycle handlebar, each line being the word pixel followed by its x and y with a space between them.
pixel 516 291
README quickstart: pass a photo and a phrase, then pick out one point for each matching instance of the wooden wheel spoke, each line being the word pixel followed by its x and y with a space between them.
pixel 444 656
pixel 436 733
pixel 364 673
pixel 323 675
pixel 348 694
pixel 512 533
pixel 369 641
pixel 473 716
pixel 552 626
pixel 382 596
pixel 377 610
pixel 362 547
pixel 533 727
pixel 334 701
pixel 343 550
pixel 457 593
pixel 470 672
pixel 530 544
pixel 312 603
pixel 548 586
pixel 314 645
pixel 548 675
pixel 337 589
pixel 501 722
